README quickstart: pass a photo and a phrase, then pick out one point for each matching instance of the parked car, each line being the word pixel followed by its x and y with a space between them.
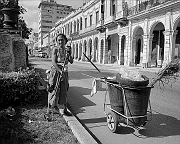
pixel 42 54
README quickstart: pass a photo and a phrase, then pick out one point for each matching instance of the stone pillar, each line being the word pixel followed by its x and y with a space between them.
pixel 167 47
pixel 128 50
pixel 93 51
pixel 99 50
pixel 159 58
pixel 168 38
pixel 133 52
pixel 6 53
pixel 105 52
pixel 13 52
pixel 19 50
pixel 147 49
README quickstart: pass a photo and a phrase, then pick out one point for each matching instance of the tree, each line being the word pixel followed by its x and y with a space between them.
pixel 22 26
pixel 25 31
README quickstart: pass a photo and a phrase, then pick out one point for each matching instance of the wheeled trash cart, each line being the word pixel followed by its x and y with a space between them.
pixel 130 106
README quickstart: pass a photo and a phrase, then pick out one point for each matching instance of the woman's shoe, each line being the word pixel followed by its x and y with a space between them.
pixel 65 112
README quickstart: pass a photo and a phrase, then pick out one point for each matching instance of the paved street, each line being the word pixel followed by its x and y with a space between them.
pixel 165 103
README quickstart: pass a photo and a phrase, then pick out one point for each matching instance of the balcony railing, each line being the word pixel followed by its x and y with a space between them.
pixel 145 6
pixel 87 29
pixel 100 25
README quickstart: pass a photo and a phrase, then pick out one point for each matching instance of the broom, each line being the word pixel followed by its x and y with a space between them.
pixel 168 73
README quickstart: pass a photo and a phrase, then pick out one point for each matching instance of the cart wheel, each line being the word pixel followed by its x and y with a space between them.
pixel 112 121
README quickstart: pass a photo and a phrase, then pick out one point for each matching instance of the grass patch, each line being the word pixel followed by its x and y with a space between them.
pixel 28 126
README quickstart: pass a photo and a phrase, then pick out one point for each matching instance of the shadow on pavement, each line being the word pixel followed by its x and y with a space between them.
pixel 76 95
pixel 161 126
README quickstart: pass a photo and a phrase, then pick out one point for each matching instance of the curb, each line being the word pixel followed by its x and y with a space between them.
pixel 79 131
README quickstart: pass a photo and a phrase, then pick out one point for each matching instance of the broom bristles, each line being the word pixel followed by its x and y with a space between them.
pixel 172 69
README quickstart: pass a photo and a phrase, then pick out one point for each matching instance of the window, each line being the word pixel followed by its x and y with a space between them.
pixel 102 9
pixel 85 22
pixel 97 17
pixel 113 8
pixel 46 21
pixel 90 20
pixel 74 26
pixel 71 27
pixel 81 23
pixel 102 6
pixel 46 26
pixel 77 25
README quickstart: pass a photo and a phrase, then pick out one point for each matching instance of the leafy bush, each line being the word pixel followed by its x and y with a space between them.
pixel 18 87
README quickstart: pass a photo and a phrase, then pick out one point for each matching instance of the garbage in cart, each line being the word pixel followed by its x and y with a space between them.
pixel 129 99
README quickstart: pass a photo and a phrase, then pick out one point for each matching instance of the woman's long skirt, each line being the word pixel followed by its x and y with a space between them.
pixel 58 87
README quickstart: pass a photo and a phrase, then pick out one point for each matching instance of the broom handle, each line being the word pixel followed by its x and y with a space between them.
pixel 91 62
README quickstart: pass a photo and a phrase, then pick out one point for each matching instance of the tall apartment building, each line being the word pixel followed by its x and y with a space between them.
pixel 49 13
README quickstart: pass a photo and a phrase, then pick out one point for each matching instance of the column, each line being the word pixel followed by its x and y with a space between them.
pixel 105 51
pixel 147 49
pixel 129 46
pixel 167 47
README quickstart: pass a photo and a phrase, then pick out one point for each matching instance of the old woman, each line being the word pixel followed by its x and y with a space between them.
pixel 58 76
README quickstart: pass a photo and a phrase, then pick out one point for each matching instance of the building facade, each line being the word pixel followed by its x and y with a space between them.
pixel 49 13
pixel 127 32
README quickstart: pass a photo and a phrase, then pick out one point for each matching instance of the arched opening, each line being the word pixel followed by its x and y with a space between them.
pixel 157 52
pixel 176 40
pixel 74 50
pixel 138 51
pixel 84 50
pixel 96 53
pixel 123 40
pixel 137 47
pixel 76 57
pixel 101 51
pixel 90 49
pixel 113 48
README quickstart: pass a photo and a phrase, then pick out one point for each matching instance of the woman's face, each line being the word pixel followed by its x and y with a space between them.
pixel 61 41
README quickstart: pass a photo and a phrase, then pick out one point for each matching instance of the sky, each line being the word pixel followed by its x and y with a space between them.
pixel 31 16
